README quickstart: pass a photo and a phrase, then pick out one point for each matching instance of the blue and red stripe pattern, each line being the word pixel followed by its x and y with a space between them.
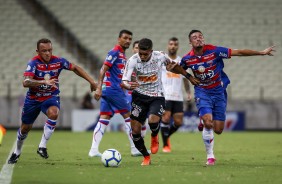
pixel 115 60
pixel 39 70
pixel 51 124
pixel 104 121
pixel 207 67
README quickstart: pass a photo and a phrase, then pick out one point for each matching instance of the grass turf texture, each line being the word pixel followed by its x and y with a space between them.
pixel 246 157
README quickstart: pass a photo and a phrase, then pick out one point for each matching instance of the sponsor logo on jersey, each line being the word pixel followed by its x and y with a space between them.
pixel 56 65
pixel 41 66
pixel 208 57
pixel 172 75
pixel 66 65
pixel 222 54
pixel 145 79
pixel 28 68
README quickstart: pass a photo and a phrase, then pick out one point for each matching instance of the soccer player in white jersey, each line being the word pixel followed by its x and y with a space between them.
pixel 172 84
pixel 128 93
pixel 147 96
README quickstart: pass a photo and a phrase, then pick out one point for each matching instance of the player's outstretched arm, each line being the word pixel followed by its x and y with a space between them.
pixel 82 73
pixel 30 82
pixel 247 52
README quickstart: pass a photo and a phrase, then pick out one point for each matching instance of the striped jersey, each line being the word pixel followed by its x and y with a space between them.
pixel 39 70
pixel 172 83
pixel 115 60
pixel 148 74
pixel 208 67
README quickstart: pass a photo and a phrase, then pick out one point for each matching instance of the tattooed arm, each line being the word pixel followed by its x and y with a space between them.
pixel 30 82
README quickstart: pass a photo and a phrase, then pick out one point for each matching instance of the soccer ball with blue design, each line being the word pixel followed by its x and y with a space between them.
pixel 111 158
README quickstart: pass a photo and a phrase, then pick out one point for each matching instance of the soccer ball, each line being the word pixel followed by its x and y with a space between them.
pixel 111 158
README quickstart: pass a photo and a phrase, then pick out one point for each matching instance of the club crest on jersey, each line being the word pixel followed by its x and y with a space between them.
pixel 135 112
pixel 201 69
pixel 47 76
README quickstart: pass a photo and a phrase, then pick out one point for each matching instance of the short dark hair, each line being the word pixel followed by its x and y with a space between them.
pixel 173 39
pixel 42 40
pixel 124 31
pixel 145 44
pixel 134 43
pixel 194 31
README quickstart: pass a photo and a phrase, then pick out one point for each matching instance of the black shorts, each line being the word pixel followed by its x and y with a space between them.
pixel 143 105
pixel 174 106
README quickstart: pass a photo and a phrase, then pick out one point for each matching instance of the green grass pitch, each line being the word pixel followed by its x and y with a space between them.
pixel 242 157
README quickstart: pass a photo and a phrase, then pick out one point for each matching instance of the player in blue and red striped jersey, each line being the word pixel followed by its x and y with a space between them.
pixel 207 64
pixel 225 82
pixel 41 77
pixel 109 89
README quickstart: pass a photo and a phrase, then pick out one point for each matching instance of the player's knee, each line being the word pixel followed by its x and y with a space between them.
pixel 218 132
pixel 165 121
pixel 207 122
pixel 53 114
pixel 136 129
pixel 165 118
pixel 178 123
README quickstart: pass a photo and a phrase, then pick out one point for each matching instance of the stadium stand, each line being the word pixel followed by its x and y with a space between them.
pixel 19 33
pixel 254 24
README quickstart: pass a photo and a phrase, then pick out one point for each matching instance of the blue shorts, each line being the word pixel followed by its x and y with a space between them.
pixel 112 104
pixel 128 99
pixel 212 103
pixel 32 108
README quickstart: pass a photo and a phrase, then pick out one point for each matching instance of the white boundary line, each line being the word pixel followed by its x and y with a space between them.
pixel 7 169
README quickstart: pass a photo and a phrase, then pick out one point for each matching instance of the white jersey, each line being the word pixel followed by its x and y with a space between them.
pixel 172 83
pixel 148 74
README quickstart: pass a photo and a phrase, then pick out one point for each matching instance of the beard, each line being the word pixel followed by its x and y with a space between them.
pixel 199 47
pixel 172 52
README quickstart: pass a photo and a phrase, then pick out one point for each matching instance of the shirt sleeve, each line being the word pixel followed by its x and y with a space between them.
pixel 111 58
pixel 66 64
pixel 164 58
pixel 30 69
pixel 223 52
pixel 129 68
